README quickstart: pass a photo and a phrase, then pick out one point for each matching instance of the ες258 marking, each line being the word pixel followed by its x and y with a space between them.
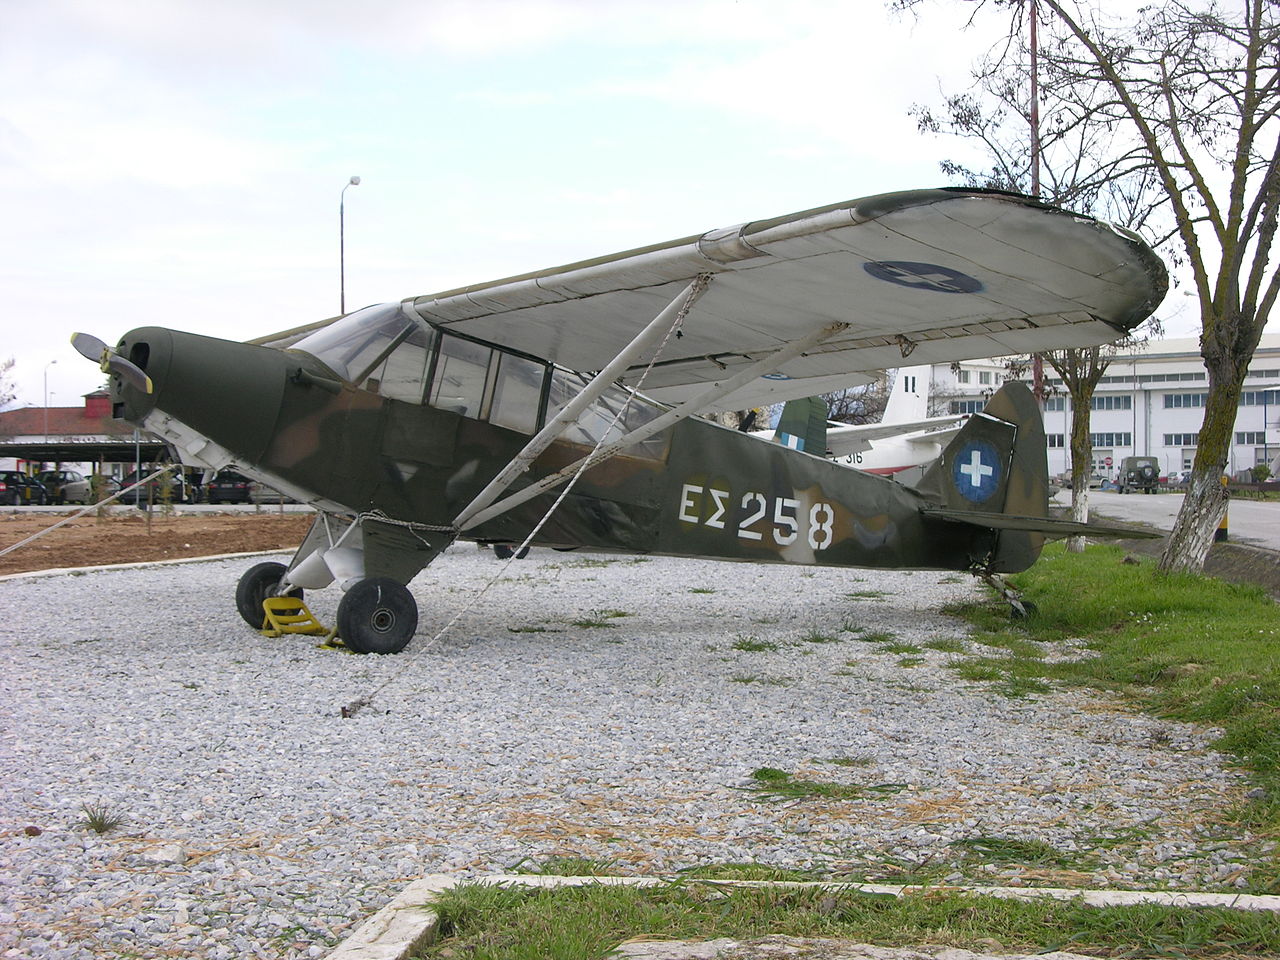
pixel 783 515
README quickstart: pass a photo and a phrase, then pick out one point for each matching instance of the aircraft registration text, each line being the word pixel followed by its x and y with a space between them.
pixel 780 519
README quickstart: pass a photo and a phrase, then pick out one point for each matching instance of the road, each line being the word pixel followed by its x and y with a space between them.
pixel 1253 522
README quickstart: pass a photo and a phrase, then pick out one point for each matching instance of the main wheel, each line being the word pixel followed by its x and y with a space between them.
pixel 504 551
pixel 256 584
pixel 377 615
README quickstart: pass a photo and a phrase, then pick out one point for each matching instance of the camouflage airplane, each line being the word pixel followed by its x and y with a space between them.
pixel 465 414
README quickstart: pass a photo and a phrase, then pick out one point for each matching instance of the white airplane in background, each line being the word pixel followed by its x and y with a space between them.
pixel 905 437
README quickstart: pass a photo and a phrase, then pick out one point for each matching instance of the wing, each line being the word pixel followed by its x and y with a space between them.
pixel 939 275
pixel 851 438
pixel 942 275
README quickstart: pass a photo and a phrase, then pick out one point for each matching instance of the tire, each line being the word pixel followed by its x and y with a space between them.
pixel 256 584
pixel 1028 611
pixel 504 551
pixel 377 615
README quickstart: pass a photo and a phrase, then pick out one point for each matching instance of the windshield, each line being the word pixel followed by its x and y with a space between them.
pixel 352 346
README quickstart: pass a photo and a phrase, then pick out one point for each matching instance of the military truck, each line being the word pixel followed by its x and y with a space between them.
pixel 1139 473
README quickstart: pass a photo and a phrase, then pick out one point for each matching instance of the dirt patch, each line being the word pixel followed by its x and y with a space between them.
pixel 125 537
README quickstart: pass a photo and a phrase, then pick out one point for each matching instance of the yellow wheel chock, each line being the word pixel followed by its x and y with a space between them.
pixel 283 615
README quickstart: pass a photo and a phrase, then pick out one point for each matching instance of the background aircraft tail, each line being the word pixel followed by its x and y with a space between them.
pixel 908 395
pixel 803 426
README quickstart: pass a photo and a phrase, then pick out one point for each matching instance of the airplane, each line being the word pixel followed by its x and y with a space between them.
pixel 905 437
pixel 557 407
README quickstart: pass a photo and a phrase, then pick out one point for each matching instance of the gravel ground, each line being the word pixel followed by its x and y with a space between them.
pixel 259 823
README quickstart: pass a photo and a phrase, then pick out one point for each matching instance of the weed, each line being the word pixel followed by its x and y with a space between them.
pixel 900 646
pixel 1012 850
pixel 865 595
pixel 600 618
pixel 848 761
pixel 754 644
pixel 814 636
pixel 945 645
pixel 703 590
pixel 878 636
pixel 778 784
pixel 100 817
pixel 911 661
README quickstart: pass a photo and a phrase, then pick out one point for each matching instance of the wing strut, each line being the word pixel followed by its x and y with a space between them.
pixel 671 315
pixel 687 409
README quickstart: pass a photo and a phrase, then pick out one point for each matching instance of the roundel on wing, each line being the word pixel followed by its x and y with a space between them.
pixel 975 470
pixel 923 276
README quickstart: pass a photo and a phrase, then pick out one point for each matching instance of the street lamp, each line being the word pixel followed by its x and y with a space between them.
pixel 342 270
pixel 46 399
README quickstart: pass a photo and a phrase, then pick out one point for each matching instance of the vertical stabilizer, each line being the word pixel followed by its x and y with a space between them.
pixel 997 464
pixel 803 426
pixel 909 395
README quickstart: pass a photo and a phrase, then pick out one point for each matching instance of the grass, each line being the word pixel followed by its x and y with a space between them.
pixel 100 817
pixel 703 590
pixel 816 636
pixel 754 644
pixel 780 785
pixel 599 619
pixel 865 595
pixel 579 923
pixel 1181 646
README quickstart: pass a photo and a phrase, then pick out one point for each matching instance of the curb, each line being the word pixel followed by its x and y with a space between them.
pixel 407 923
pixel 138 565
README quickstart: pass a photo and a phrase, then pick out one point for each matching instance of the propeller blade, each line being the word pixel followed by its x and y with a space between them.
pixel 129 372
pixel 89 346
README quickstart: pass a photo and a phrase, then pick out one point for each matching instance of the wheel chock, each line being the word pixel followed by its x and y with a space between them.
pixel 283 615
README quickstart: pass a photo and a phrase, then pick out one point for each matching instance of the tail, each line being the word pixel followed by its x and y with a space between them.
pixel 803 426
pixel 994 476
pixel 909 398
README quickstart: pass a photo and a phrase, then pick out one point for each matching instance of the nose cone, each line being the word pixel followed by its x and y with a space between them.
pixel 229 392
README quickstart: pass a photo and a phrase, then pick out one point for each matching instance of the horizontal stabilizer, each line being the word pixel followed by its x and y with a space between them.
pixel 1045 525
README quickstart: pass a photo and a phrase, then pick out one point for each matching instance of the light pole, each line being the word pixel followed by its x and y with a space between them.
pixel 46 399
pixel 342 251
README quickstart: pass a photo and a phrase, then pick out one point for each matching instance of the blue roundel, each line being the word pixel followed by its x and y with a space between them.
pixel 923 276
pixel 975 470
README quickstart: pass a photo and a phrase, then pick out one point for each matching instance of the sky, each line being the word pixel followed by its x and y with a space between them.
pixel 181 162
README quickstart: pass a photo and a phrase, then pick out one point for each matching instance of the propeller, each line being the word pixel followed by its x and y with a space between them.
pixel 91 348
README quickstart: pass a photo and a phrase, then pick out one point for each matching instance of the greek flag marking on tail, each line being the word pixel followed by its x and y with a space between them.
pixel 791 440
pixel 976 471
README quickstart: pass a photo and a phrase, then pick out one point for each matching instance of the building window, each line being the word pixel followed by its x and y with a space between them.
pixel 962 376
pixel 967 406
pixel 1054 440
pixel 1056 403
pixel 1111 439
pixel 984 376
pixel 1181 439
pixel 1251 436
pixel 1111 403
pixel 1172 400
pixel 1259 398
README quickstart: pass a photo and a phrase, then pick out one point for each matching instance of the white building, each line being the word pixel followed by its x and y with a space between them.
pixel 1150 402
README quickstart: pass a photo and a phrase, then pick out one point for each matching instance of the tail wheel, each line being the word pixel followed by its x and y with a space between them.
pixel 256 584
pixel 377 615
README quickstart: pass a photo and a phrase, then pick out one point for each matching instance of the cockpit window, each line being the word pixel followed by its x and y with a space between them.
pixel 353 346
pixel 601 418
pixel 462 368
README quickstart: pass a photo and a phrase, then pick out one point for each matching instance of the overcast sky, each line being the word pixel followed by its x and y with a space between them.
pixel 180 163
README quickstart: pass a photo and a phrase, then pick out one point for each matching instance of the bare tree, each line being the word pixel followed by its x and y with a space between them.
pixel 7 389
pixel 1189 97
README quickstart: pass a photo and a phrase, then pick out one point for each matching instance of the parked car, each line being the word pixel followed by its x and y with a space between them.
pixel 227 486
pixel 65 486
pixel 17 488
pixel 1139 473
pixel 181 487
pixel 260 493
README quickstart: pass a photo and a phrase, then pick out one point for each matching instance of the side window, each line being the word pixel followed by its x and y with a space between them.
pixel 596 419
pixel 460 375
pixel 517 393
pixel 402 376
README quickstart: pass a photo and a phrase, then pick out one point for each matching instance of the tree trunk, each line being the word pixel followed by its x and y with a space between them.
pixel 1081 461
pixel 1206 499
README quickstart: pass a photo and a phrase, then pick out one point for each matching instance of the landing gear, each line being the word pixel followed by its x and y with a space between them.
pixel 505 551
pixel 257 583
pixel 377 615
pixel 1019 609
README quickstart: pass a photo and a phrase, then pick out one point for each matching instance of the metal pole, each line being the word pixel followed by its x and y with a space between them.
pixel 342 246
pixel 46 399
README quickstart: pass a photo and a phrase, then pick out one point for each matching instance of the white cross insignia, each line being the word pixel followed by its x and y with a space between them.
pixel 975 469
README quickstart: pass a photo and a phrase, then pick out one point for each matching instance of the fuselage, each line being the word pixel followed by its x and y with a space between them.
pixel 414 438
